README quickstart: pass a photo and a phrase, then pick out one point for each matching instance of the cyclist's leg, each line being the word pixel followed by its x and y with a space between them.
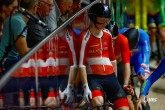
pixel 120 79
pixel 96 89
pixel 115 93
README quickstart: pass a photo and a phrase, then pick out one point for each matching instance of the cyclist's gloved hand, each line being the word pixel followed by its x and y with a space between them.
pixel 69 93
pixel 87 92
pixel 128 89
pixel 62 96
pixel 141 71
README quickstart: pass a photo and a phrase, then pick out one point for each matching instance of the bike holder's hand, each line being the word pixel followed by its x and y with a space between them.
pixel 140 101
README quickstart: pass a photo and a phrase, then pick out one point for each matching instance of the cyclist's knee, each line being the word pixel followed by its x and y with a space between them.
pixel 123 108
pixel 130 102
pixel 96 101
pixel 121 104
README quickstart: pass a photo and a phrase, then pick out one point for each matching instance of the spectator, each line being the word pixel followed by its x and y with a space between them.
pixel 81 22
pixel 59 13
pixel 16 35
pixel 36 32
pixel 155 22
pixel 8 6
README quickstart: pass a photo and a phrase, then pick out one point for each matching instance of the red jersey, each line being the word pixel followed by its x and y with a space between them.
pixel 96 53
pixel 67 50
pixel 121 49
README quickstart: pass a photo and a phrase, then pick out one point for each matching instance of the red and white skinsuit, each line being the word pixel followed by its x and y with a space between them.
pixel 67 52
pixel 96 53
pixel 121 49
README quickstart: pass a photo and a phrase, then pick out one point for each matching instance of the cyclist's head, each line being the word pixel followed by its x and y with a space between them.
pixel 99 10
pixel 113 28
pixel 132 35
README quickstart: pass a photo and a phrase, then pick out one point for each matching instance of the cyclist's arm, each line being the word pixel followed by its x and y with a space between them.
pixel 83 75
pixel 160 70
pixel 145 49
pixel 125 54
pixel 72 52
pixel 112 55
pixel 82 59
pixel 127 72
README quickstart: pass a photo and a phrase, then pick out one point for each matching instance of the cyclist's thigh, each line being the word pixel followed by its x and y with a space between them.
pixel 112 88
pixel 96 89
pixel 114 92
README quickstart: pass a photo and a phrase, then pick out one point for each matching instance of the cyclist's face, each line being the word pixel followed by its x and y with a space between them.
pixel 102 22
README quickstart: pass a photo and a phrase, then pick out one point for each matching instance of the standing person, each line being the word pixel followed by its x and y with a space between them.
pixel 8 7
pixel 14 28
pixel 36 32
pixel 139 45
pixel 129 14
pixel 97 63
pixel 59 14
pixel 122 53
pixel 155 22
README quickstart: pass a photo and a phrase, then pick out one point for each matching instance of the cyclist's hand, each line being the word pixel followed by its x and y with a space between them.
pixel 87 92
pixel 128 89
pixel 141 74
pixel 62 95
pixel 141 71
pixel 69 93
